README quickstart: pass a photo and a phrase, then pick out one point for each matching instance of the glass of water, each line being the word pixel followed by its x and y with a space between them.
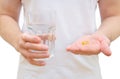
pixel 43 24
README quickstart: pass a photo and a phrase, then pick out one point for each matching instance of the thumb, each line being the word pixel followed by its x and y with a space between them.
pixel 105 48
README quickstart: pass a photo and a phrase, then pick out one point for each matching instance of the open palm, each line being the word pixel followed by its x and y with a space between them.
pixel 90 45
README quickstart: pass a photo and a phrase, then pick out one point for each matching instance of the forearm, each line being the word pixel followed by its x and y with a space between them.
pixel 110 27
pixel 9 29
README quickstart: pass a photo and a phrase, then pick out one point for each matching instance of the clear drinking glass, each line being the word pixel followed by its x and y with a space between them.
pixel 42 24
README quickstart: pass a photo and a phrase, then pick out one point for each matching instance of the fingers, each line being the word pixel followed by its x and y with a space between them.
pixel 68 48
pixel 105 49
pixel 31 56
pixel 38 63
pixel 28 42
pixel 74 48
pixel 104 44
pixel 34 46
pixel 30 38
pixel 91 45
pixel 37 54
pixel 31 48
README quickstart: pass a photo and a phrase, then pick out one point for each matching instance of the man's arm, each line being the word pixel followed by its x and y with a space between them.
pixel 9 16
pixel 9 30
pixel 109 30
pixel 110 16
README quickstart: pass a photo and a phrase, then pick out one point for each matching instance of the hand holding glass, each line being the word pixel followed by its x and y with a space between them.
pixel 42 24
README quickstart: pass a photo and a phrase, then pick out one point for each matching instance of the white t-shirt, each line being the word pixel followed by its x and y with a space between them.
pixel 75 18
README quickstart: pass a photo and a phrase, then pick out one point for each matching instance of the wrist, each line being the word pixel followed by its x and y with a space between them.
pixel 15 42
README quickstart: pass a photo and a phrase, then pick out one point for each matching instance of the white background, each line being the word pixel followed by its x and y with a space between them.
pixel 9 59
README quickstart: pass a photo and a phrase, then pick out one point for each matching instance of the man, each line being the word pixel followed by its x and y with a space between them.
pixel 75 33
